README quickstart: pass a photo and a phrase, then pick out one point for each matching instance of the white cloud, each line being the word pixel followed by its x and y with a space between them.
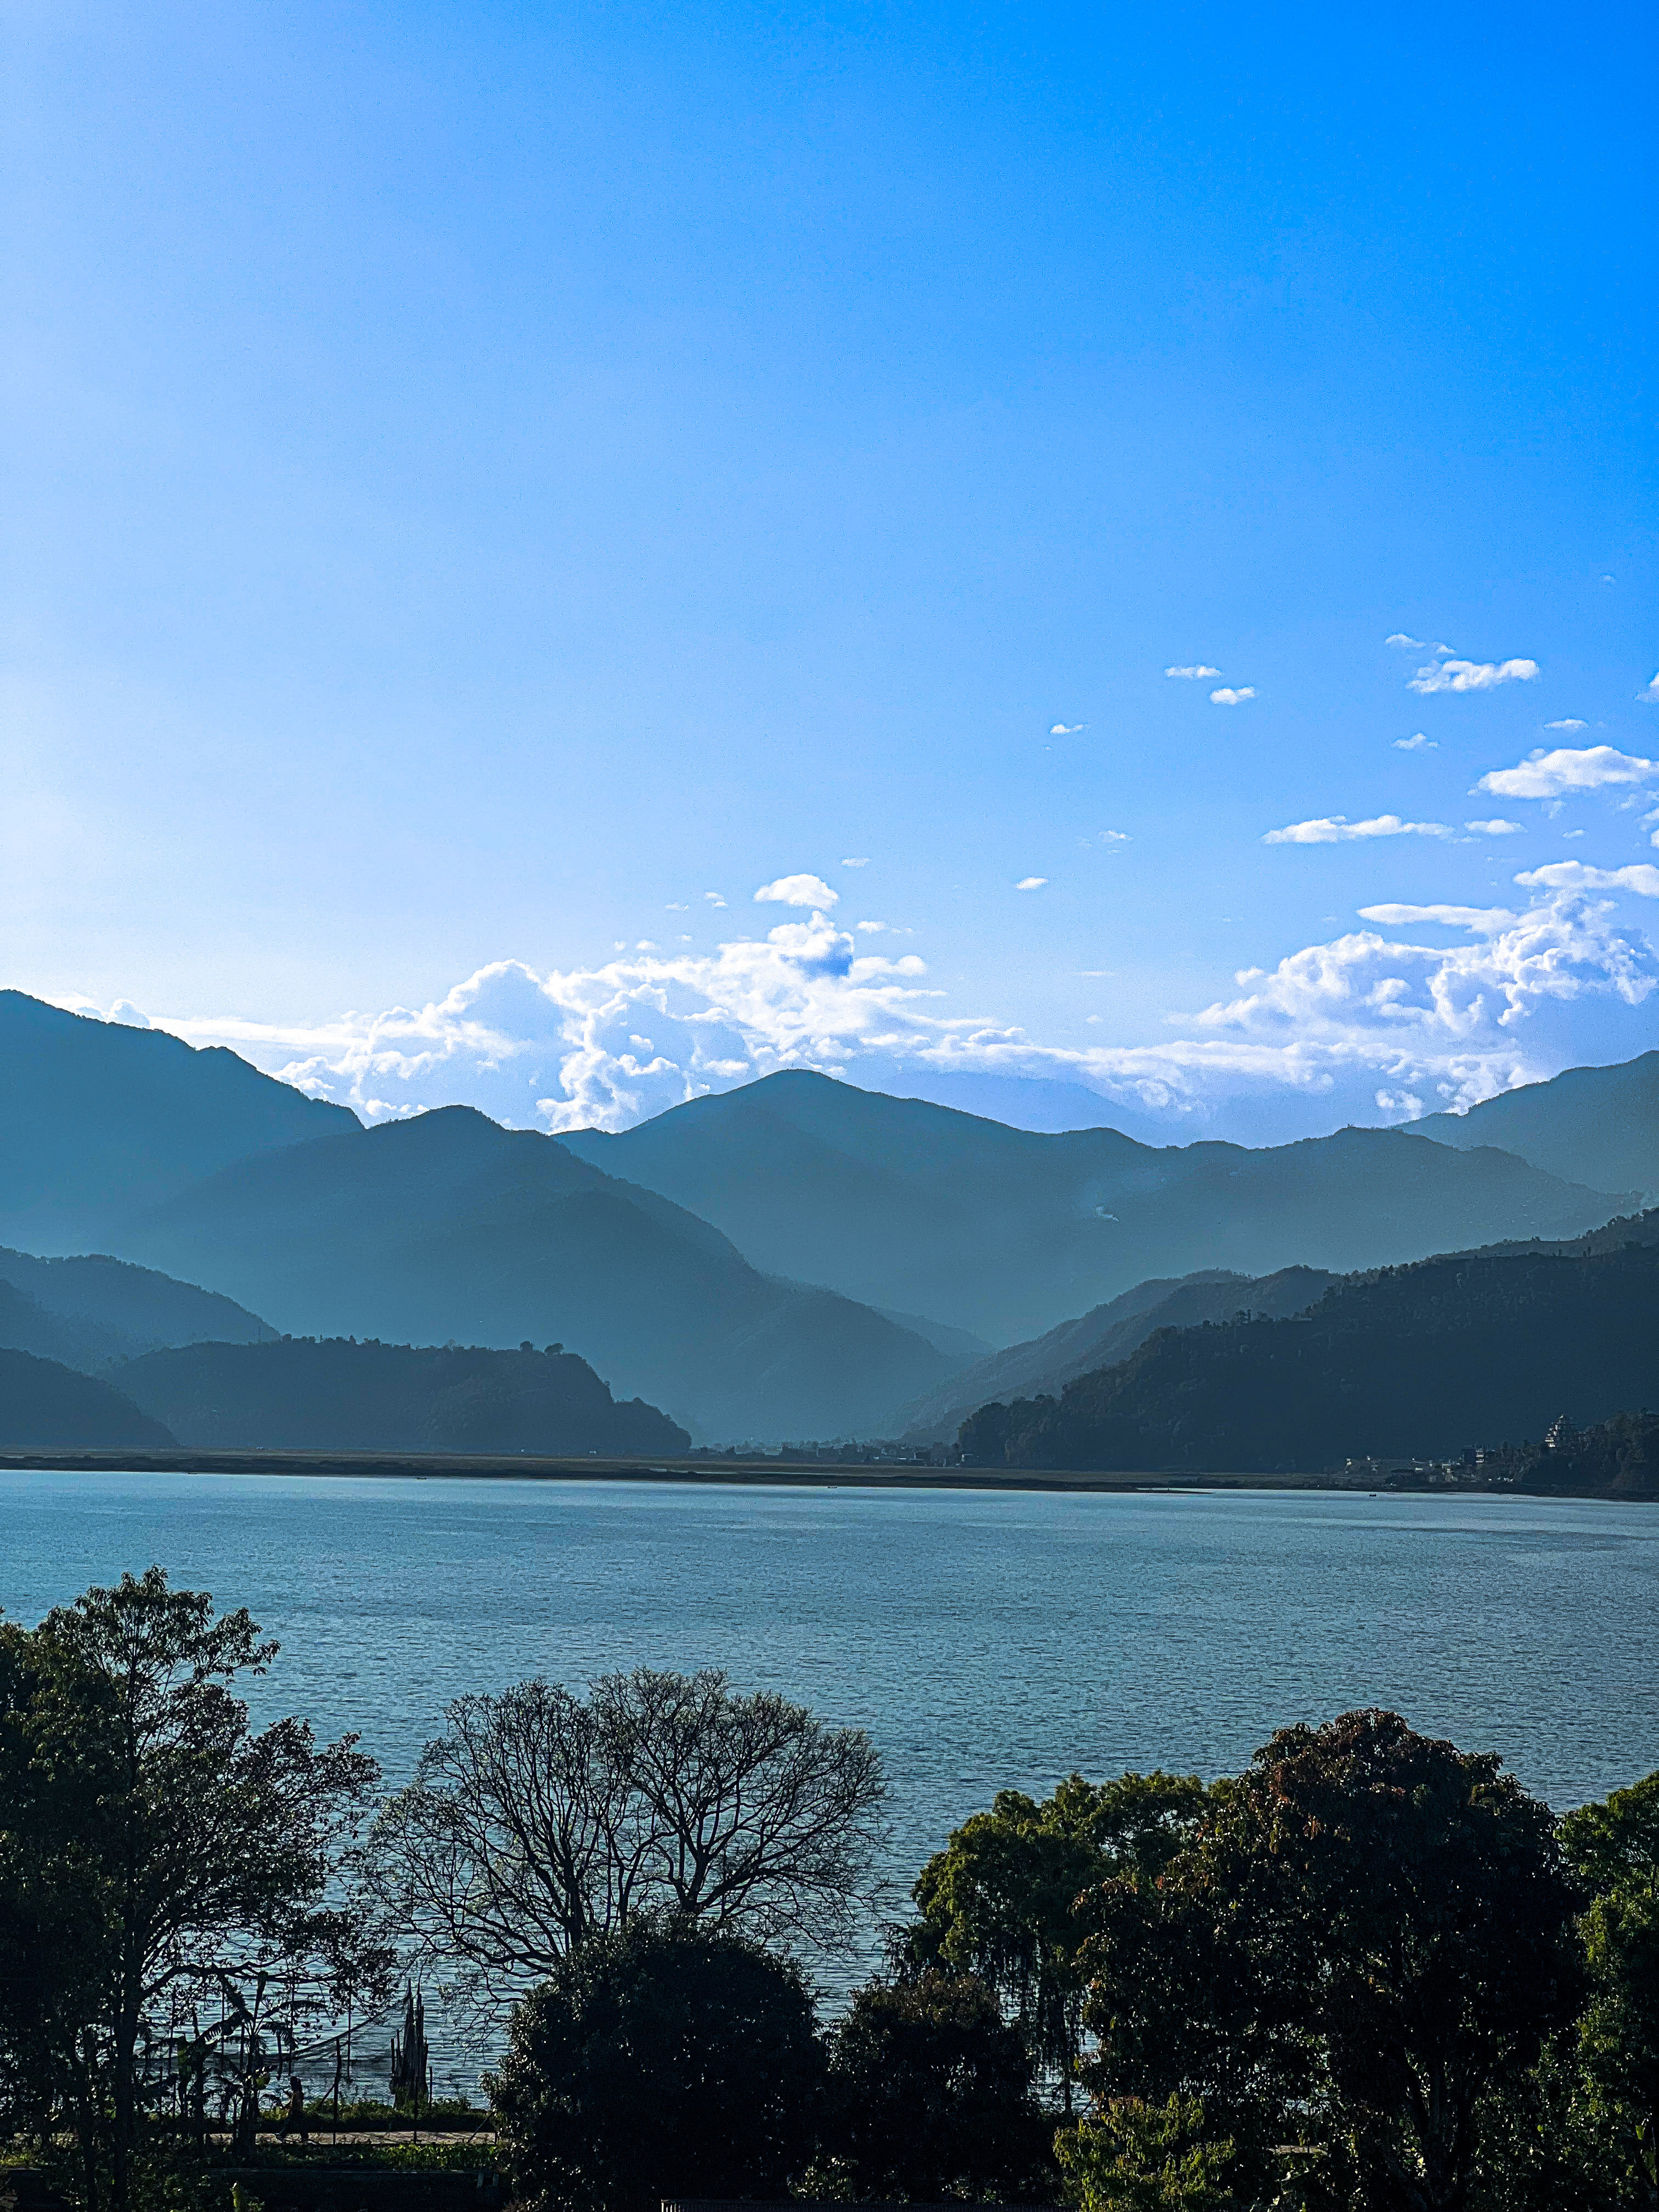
pixel 1471 675
pixel 1067 729
pixel 1337 830
pixel 1030 883
pixel 1550 776
pixel 1402 643
pixel 671 907
pixel 1567 722
pixel 1200 668
pixel 1372 1007
pixel 1114 838
pixel 1416 744
pixel 1643 877
pixel 1226 696
pixel 1649 693
pixel 863 861
pixel 1496 827
pixel 1483 920
pixel 797 890
pixel 870 928
pixel 713 898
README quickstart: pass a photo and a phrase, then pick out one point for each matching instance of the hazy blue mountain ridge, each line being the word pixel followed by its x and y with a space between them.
pixel 46 1405
pixel 1006 1232
pixel 1100 1339
pixel 94 1114
pixel 94 1311
pixel 1418 1361
pixel 1595 1125
pixel 449 1227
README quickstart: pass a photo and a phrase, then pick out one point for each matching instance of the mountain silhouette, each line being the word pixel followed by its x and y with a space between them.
pixel 46 1406
pixel 449 1227
pixel 1419 1361
pixel 1100 1339
pixel 1006 1232
pixel 340 1396
pixel 93 1115
pixel 1598 1125
pixel 91 1312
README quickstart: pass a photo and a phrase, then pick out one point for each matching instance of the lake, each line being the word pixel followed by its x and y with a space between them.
pixel 986 1639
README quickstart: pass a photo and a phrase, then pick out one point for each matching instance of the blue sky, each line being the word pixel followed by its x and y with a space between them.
pixel 489 483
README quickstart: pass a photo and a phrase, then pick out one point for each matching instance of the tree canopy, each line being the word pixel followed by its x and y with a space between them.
pixel 159 1859
pixel 541 1820
pixel 659 2059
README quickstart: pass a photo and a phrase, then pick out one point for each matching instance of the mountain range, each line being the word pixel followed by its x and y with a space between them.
pixel 1102 1338
pixel 1596 1124
pixel 1467 1349
pixel 797 1258
pixel 1007 1233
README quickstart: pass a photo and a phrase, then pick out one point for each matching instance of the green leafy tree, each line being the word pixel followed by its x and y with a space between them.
pixel 930 2096
pixel 1370 1938
pixel 1137 2157
pixel 157 1857
pixel 1614 1848
pixel 1001 1900
pixel 663 2059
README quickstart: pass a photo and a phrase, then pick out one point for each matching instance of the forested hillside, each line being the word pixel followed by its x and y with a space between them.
pixel 1417 1361
pixel 1103 1337
pixel 46 1406
pixel 337 1396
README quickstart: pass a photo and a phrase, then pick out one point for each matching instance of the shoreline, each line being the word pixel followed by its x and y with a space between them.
pixel 801 1474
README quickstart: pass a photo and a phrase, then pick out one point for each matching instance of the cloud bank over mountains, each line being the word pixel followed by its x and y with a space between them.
pixel 1389 1018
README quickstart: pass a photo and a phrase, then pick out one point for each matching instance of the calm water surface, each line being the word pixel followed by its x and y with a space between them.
pixel 984 1640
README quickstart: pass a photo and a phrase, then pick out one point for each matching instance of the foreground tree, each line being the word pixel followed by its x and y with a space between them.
pixel 1002 1900
pixel 1371 1937
pixel 157 1857
pixel 660 2060
pixel 540 1820
pixel 1614 1848
pixel 1136 2157
pixel 931 2097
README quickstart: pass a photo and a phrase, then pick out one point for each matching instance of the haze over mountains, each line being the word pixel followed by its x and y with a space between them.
pixel 798 1258
pixel 1007 1233
pixel 1100 1339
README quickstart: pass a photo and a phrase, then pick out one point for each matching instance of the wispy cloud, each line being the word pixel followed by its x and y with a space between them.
pixel 1649 693
pixel 1199 668
pixel 1030 883
pixel 1113 838
pixel 862 861
pixel 797 890
pixel 1337 830
pixel 1402 643
pixel 1567 722
pixel 1567 769
pixel 1471 675
pixel 1067 729
pixel 1643 877
pixel 1496 827
pixel 1227 697
pixel 1417 743
pixel 713 898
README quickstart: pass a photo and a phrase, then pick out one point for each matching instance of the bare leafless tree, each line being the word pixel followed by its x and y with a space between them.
pixel 540 1819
